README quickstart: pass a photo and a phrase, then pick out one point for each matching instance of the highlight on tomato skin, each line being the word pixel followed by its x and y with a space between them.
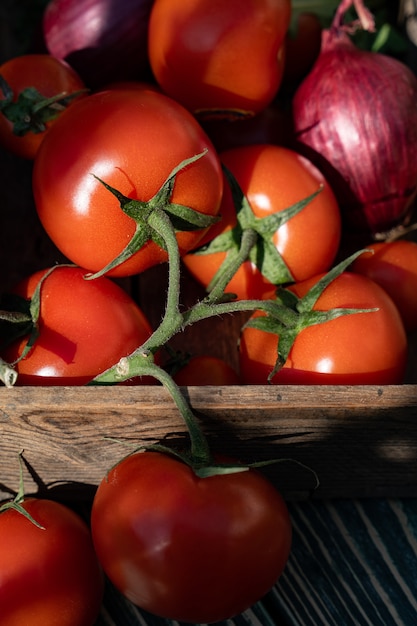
pixel 122 128
pixel 48 573
pixel 84 328
pixel 273 178
pixel 393 265
pixel 219 59
pixel 368 348
pixel 186 548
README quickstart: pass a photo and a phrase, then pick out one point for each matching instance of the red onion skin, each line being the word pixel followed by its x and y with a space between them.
pixel 355 117
pixel 103 40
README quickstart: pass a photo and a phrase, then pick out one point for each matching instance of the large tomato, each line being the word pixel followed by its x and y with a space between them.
pixel 393 265
pixel 189 548
pixel 360 348
pixel 50 77
pixel 132 139
pixel 49 576
pixel 273 178
pixel 217 57
pixel 84 328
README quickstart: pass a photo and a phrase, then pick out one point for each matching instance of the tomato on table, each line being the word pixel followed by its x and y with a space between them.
pixel 50 77
pixel 131 139
pixel 49 576
pixel 216 57
pixel 85 327
pixel 361 348
pixel 273 178
pixel 189 548
pixel 393 265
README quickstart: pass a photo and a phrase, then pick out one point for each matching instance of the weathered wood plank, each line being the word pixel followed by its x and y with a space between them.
pixel 361 441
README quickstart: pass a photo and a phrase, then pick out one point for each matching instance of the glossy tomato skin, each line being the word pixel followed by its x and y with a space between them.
pixel 393 265
pixel 182 547
pixel 50 76
pixel 206 369
pixel 216 57
pixel 273 178
pixel 362 348
pixel 48 577
pixel 135 138
pixel 85 327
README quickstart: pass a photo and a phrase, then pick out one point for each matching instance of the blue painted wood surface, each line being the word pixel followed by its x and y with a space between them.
pixel 353 563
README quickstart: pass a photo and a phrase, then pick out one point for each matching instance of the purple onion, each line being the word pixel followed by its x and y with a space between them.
pixel 103 40
pixel 355 117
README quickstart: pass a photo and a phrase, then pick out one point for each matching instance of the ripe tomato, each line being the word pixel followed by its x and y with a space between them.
pixel 188 548
pixel 273 178
pixel 132 139
pixel 205 369
pixel 361 348
pixel 50 77
pixel 84 328
pixel 302 46
pixel 219 57
pixel 393 265
pixel 49 576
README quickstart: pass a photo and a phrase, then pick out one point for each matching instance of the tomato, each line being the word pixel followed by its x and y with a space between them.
pixel 49 576
pixel 216 57
pixel 393 265
pixel 361 348
pixel 84 328
pixel 273 178
pixel 302 46
pixel 272 125
pixel 189 548
pixel 205 369
pixel 132 139
pixel 50 77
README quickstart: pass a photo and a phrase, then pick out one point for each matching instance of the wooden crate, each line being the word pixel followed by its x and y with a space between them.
pixel 361 441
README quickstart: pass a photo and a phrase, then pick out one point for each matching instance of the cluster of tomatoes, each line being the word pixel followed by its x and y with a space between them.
pixel 190 167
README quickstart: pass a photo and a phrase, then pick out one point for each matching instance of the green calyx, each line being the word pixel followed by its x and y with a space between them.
pixel 17 503
pixel 252 239
pixel 182 218
pixel 32 111
pixel 288 315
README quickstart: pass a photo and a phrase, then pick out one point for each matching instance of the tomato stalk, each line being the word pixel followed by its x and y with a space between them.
pixel 8 375
pixel 251 239
pixel 289 316
pixel 182 217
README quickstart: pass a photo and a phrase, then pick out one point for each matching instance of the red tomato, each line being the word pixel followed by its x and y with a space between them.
pixel 49 576
pixel 362 348
pixel 218 57
pixel 302 46
pixel 189 548
pixel 205 369
pixel 393 265
pixel 272 179
pixel 132 139
pixel 85 327
pixel 50 77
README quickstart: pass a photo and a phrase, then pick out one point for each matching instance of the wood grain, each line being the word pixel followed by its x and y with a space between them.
pixel 361 441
